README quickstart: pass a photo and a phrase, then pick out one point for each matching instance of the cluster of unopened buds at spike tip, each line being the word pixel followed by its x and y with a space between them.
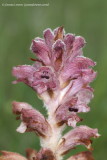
pixel 61 77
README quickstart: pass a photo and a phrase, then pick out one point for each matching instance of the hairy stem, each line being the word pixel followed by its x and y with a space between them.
pixel 52 140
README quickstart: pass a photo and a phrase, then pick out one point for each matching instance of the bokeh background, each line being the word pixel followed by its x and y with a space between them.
pixel 18 26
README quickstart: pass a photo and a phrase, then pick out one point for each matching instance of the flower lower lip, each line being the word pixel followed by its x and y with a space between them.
pixel 61 76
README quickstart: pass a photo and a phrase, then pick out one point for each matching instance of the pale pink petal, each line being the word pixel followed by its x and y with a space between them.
pixel 23 71
pixel 84 96
pixel 73 120
pixel 58 53
pixel 18 106
pixel 68 40
pixel 78 44
pixel 41 50
pixel 44 79
pixel 22 128
pixel 49 37
pixel 75 87
pixel 88 75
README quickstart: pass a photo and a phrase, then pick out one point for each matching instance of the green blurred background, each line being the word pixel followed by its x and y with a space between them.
pixel 18 26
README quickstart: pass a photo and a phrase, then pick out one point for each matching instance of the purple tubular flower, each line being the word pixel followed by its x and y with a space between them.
pixel 76 68
pixel 40 79
pixel 44 79
pixel 79 136
pixel 49 38
pixel 32 120
pixel 39 47
pixel 78 44
pixel 61 76
pixel 67 112
pixel 68 40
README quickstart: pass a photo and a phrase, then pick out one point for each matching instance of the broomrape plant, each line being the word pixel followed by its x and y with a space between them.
pixel 61 77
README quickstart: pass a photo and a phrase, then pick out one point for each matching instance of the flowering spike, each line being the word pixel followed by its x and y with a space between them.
pixel 61 77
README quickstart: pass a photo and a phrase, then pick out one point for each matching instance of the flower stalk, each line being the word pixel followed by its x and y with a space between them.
pixel 61 77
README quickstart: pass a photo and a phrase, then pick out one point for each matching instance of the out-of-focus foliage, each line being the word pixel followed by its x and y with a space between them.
pixel 18 26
